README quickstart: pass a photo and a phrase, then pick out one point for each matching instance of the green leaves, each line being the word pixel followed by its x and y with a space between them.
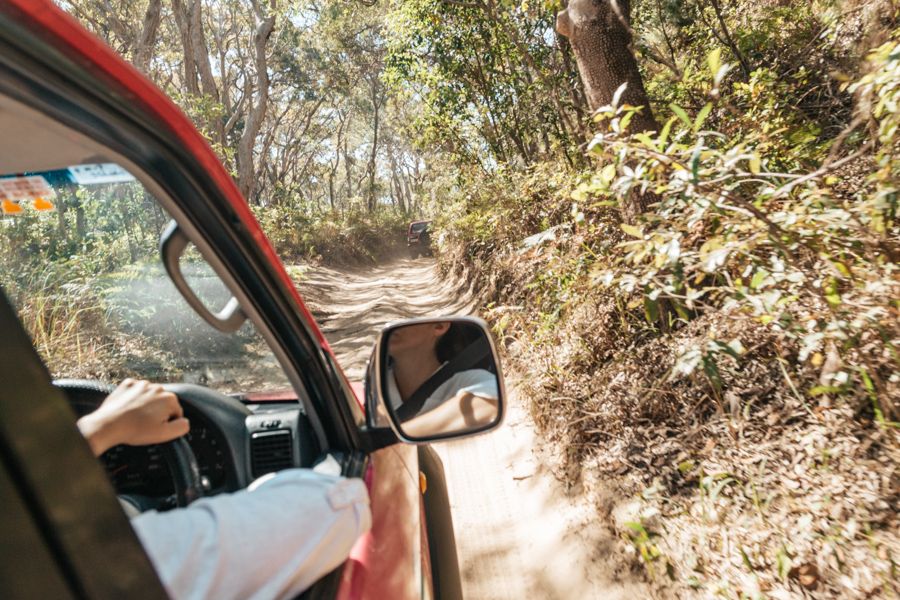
pixel 716 68
pixel 682 115
pixel 679 112
pixel 783 563
pixel 714 60
pixel 754 163
pixel 664 134
pixel 651 309
pixel 632 230
pixel 701 116
pixel 759 277
pixel 487 90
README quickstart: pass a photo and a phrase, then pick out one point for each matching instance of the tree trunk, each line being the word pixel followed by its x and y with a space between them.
pixel 183 21
pixel 201 51
pixel 147 42
pixel 246 145
pixel 331 190
pixel 374 155
pixel 80 219
pixel 348 171
pixel 397 185
pixel 600 35
pixel 61 205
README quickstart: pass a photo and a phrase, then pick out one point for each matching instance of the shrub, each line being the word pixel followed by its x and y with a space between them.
pixel 333 237
pixel 802 253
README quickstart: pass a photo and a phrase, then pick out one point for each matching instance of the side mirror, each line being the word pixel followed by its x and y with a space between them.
pixel 435 379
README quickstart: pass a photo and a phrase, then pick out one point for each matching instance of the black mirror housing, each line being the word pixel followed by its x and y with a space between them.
pixel 434 379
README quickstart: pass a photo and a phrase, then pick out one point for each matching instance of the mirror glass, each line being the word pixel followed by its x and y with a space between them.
pixel 440 378
pixel 203 280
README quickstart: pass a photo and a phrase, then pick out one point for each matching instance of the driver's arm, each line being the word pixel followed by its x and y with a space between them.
pixel 136 413
pixel 272 540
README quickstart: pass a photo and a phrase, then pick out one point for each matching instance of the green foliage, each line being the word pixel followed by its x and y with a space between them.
pixel 65 318
pixel 95 229
pixel 643 543
pixel 881 88
pixel 337 238
pixel 791 52
pixel 483 215
pixel 785 249
pixel 486 77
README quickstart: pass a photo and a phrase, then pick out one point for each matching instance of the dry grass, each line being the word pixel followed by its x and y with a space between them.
pixel 67 324
pixel 749 490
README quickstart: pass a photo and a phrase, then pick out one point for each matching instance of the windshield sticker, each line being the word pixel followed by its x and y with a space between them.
pixel 100 173
pixel 10 207
pixel 25 188
pixel 42 204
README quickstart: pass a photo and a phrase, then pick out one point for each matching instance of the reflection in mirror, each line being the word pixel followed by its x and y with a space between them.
pixel 441 378
pixel 203 280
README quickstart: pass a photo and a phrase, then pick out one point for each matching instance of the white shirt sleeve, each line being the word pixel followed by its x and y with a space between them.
pixel 272 542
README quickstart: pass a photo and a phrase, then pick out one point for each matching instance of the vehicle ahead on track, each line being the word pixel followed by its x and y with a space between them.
pixel 418 238
pixel 96 156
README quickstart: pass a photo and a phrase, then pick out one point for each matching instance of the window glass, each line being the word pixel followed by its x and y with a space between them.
pixel 80 261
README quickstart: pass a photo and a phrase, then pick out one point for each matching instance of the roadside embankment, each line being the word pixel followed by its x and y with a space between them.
pixel 734 451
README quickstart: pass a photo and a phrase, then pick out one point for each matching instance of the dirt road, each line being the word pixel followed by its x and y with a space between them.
pixel 519 534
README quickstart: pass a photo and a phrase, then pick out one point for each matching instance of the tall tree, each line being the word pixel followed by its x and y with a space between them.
pixel 600 34
pixel 247 173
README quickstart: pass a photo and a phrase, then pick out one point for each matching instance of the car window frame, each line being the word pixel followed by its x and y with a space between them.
pixel 45 80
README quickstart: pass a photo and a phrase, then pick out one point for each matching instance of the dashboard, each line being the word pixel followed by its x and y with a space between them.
pixel 142 470
pixel 234 442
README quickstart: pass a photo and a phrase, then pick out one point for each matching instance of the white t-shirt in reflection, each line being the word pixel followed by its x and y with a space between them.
pixel 478 382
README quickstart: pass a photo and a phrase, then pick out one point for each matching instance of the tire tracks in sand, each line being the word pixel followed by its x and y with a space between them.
pixel 519 533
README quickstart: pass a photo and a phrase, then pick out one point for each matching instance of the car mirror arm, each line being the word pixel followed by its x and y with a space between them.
pixel 376 438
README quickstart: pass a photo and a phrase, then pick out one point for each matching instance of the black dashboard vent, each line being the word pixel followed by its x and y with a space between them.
pixel 271 451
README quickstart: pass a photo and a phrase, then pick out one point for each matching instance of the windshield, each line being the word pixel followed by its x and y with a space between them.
pixel 418 227
pixel 81 265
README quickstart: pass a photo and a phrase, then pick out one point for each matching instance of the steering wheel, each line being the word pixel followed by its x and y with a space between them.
pixel 179 457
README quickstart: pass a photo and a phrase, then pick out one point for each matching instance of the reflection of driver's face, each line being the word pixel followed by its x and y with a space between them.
pixel 419 338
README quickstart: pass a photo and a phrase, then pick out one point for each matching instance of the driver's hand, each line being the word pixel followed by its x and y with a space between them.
pixel 136 413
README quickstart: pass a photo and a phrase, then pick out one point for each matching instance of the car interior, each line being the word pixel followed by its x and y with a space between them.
pixel 237 433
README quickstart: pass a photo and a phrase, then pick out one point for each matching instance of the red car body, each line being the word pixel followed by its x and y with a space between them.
pixel 392 560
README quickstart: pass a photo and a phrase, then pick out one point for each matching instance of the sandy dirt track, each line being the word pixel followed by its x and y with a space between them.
pixel 518 533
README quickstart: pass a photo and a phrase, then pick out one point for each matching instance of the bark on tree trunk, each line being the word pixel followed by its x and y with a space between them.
pixel 600 35
pixel 348 171
pixel 80 219
pixel 147 41
pixel 374 155
pixel 201 51
pixel 183 21
pixel 396 185
pixel 246 167
pixel 61 205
